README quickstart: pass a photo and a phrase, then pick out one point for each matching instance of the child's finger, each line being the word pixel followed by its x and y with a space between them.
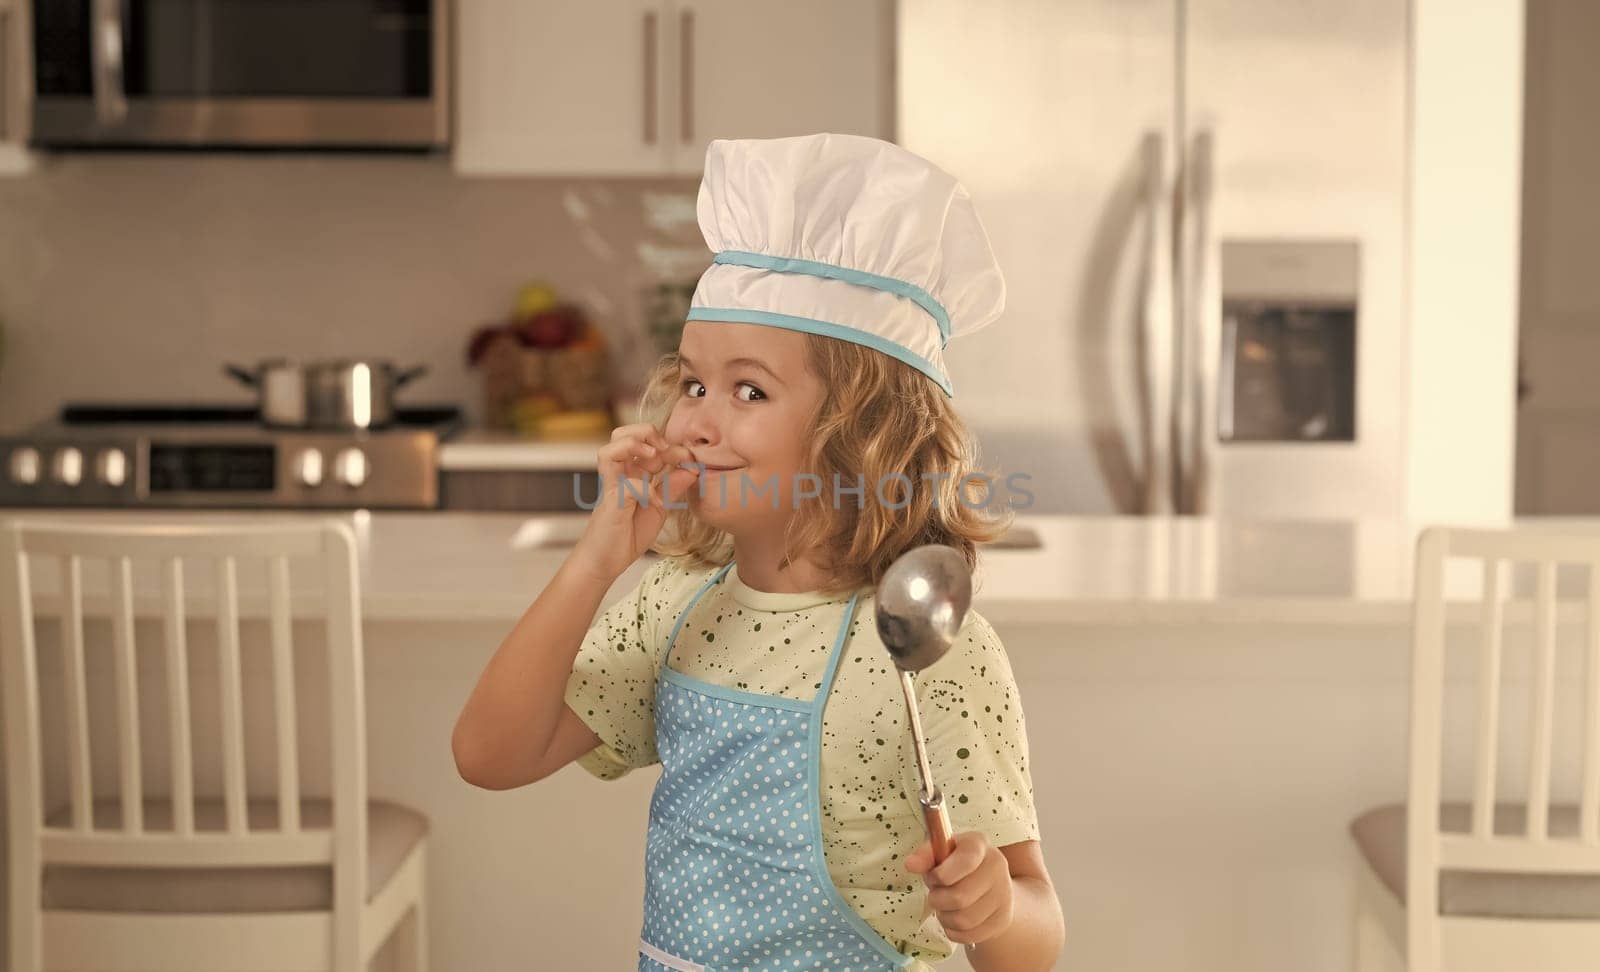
pixel 624 457
pixel 678 483
pixel 678 455
pixel 967 902
pixel 920 859
pixel 971 847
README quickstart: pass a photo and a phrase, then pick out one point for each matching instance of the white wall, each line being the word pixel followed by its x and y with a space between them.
pixel 135 276
pixel 1464 212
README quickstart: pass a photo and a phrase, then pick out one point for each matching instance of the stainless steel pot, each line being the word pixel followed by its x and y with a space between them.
pixel 343 394
pixel 280 386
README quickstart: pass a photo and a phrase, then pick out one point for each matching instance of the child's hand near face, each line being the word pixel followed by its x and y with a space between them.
pixel 621 527
pixel 970 890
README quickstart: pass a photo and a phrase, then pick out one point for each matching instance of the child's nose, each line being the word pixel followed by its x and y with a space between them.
pixel 702 428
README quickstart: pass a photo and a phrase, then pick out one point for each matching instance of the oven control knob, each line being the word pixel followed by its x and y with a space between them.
pixel 25 466
pixel 308 467
pixel 111 467
pixel 67 468
pixel 351 467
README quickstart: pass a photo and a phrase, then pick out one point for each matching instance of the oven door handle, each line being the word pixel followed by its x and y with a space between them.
pixel 105 45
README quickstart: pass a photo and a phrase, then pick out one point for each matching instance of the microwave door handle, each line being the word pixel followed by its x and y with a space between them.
pixel 105 44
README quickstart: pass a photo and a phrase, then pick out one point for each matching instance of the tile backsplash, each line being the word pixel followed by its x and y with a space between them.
pixel 136 276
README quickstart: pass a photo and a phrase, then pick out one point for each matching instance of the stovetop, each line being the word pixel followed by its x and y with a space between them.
pixel 442 419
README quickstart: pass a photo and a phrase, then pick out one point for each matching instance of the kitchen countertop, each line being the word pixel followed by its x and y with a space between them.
pixel 482 449
pixel 461 566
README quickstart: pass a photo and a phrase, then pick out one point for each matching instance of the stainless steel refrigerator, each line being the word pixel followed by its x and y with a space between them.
pixel 1199 209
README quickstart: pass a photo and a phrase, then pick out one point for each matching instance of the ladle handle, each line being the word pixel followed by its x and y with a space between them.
pixel 940 837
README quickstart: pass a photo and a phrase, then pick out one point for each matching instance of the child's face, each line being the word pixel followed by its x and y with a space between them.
pixel 747 414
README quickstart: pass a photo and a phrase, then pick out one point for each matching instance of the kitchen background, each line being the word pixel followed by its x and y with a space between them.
pixel 1210 633
pixel 1194 131
pixel 1181 237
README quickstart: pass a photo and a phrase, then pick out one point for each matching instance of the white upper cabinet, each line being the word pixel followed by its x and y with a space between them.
pixel 559 86
pixel 769 68
pixel 639 87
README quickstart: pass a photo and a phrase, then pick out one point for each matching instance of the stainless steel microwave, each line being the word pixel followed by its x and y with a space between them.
pixel 241 73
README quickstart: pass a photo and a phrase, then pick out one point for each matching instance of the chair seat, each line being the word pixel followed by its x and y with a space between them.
pixel 1380 834
pixel 393 831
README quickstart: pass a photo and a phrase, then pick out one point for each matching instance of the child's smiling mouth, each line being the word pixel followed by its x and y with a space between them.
pixel 710 467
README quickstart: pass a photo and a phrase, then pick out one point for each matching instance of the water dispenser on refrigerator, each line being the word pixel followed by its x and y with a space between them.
pixel 1289 313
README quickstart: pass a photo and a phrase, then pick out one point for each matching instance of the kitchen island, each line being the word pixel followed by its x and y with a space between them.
pixel 1208 704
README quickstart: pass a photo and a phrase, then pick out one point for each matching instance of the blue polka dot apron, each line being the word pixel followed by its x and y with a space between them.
pixel 734 871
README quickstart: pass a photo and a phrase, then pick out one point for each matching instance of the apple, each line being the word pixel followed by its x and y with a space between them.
pixel 552 328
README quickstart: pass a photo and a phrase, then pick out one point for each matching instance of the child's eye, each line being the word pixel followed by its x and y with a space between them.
pixel 758 392
pixel 685 384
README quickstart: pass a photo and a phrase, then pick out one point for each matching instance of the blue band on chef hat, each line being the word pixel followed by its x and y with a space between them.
pixel 742 315
pixel 911 292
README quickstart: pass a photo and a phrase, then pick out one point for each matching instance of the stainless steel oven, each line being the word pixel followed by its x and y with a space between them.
pixel 156 455
pixel 241 73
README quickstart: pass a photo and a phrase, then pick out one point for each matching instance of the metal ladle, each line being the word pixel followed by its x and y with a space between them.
pixel 921 603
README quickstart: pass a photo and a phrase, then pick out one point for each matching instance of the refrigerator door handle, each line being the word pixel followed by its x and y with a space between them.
pixel 1195 393
pixel 1155 374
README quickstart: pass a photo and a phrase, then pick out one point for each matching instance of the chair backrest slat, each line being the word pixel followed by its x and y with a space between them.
pixel 19 684
pixel 67 539
pixel 75 684
pixel 1542 712
pixel 127 674
pixel 284 695
pixel 347 681
pixel 232 686
pixel 1488 701
pixel 178 716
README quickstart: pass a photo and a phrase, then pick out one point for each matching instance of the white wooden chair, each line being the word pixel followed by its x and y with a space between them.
pixel 1478 885
pixel 184 882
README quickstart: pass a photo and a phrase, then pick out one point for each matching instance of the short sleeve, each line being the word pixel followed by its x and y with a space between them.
pixel 612 687
pixel 977 738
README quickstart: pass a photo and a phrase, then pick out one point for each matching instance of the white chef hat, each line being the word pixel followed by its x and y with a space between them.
pixel 845 236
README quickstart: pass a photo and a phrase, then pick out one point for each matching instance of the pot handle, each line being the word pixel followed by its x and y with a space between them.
pixel 242 375
pixel 409 375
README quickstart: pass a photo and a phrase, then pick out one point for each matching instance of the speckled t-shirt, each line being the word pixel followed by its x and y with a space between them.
pixel 778 644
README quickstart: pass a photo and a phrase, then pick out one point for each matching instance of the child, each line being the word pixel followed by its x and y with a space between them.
pixel 803 438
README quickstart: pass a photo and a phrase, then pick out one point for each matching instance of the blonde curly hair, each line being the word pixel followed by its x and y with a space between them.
pixel 880 418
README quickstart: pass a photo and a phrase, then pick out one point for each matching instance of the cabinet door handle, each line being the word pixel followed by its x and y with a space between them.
pixel 686 74
pixel 650 77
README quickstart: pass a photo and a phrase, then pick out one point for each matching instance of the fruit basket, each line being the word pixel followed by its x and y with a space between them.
pixel 546 371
